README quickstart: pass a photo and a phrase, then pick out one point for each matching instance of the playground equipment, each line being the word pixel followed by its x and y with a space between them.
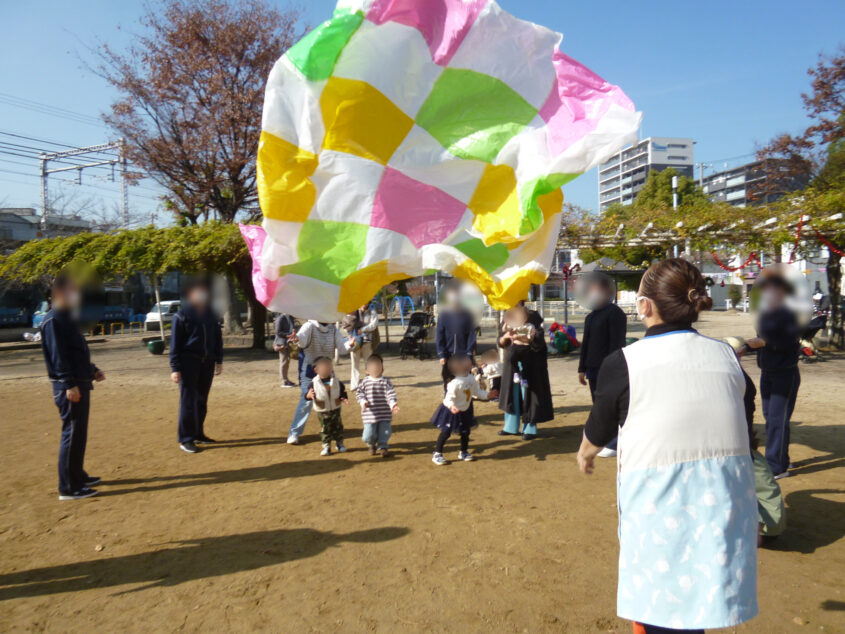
pixel 404 305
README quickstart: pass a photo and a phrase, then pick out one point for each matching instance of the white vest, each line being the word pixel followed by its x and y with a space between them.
pixel 686 402
pixel 687 509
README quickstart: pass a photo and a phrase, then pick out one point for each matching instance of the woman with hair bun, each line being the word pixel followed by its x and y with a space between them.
pixel 685 486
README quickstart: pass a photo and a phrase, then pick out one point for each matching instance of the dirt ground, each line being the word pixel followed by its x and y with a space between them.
pixel 256 535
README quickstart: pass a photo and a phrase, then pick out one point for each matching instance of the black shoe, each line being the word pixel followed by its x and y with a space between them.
pixel 84 492
pixel 189 447
pixel 529 436
pixel 205 440
pixel 507 433
pixel 91 481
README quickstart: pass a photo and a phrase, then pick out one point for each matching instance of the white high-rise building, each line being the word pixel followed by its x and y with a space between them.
pixel 623 175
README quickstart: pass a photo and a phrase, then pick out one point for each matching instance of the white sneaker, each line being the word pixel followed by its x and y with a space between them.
pixel 466 456
pixel 341 448
pixel 293 440
pixel 785 474
pixel 438 458
pixel 327 450
pixel 607 453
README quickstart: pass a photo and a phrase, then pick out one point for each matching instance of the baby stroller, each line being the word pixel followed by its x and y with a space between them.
pixel 413 342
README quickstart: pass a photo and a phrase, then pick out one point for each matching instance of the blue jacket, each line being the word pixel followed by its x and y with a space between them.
pixel 66 351
pixel 455 333
pixel 780 330
pixel 195 335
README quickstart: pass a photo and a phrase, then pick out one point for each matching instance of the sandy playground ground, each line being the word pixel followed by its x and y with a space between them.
pixel 256 535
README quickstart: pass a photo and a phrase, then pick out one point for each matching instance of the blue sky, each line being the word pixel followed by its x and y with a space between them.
pixel 728 74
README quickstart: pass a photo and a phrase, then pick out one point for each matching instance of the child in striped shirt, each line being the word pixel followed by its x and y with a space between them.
pixel 378 403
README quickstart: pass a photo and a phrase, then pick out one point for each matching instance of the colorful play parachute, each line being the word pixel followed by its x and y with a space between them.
pixel 407 135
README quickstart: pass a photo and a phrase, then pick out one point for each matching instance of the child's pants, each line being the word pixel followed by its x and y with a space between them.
pixel 444 436
pixel 331 427
pixel 377 433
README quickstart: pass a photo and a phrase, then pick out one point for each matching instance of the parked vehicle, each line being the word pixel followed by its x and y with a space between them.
pixel 168 310
pixel 93 312
pixel 16 306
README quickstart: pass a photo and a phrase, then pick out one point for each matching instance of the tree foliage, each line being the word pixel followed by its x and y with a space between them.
pixel 191 88
pixel 212 247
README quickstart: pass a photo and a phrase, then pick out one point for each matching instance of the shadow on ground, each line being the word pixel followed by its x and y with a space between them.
pixel 186 561
pixel 812 521
pixel 264 473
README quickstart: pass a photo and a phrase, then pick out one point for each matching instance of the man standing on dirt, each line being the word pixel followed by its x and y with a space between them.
pixel 71 372
pixel 284 329
pixel 605 328
pixel 196 355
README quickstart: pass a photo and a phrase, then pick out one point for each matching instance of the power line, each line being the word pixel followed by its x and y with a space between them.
pixel 54 111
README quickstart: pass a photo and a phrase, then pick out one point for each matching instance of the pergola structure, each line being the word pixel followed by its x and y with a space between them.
pixel 737 233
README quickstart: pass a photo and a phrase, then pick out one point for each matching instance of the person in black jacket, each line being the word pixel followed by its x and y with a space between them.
pixel 605 328
pixel 455 334
pixel 196 355
pixel 71 373
pixel 778 349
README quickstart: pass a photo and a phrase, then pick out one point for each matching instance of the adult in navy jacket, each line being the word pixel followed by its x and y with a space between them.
pixel 778 350
pixel 72 374
pixel 196 355
pixel 455 334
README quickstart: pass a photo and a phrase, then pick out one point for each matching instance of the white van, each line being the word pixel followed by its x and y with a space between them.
pixel 168 310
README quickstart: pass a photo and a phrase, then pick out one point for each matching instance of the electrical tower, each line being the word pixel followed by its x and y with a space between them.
pixel 119 161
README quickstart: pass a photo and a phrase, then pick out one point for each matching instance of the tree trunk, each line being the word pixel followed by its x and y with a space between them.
pixel 158 303
pixel 231 315
pixel 243 273
pixel 835 329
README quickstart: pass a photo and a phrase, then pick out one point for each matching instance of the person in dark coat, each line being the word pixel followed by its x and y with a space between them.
pixel 72 374
pixel 196 355
pixel 605 328
pixel 525 359
pixel 778 347
pixel 455 334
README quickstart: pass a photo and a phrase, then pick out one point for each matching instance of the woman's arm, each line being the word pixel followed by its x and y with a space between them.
pixel 609 410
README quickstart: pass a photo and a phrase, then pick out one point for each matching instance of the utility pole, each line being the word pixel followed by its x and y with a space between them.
pixel 675 208
pixel 120 160
pixel 124 190
pixel 44 211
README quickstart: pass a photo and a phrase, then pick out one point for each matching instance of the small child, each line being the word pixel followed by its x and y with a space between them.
pixel 377 398
pixel 491 370
pixel 454 413
pixel 328 394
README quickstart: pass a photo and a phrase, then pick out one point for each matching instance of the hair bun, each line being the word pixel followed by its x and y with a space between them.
pixel 699 299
